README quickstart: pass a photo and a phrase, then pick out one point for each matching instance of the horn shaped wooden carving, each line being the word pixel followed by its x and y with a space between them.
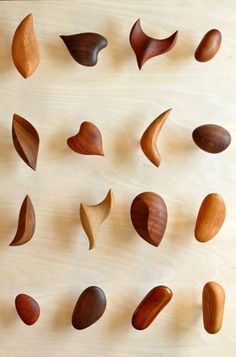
pixel 27 308
pixel 25 48
pixel 149 139
pixel 26 140
pixel 92 216
pixel 146 47
pixel 26 223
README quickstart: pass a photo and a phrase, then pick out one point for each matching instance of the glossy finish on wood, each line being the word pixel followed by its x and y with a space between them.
pixel 84 47
pixel 149 139
pixel 151 306
pixel 209 46
pixel 25 48
pixel 89 308
pixel 88 141
pixel 149 217
pixel 210 218
pixel 27 308
pixel 213 300
pixel 211 138
pixel 146 47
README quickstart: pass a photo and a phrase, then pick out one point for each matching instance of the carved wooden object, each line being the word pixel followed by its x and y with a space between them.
pixel 27 308
pixel 209 46
pixel 211 138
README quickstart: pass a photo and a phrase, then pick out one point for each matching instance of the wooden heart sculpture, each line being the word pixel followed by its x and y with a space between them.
pixel 27 308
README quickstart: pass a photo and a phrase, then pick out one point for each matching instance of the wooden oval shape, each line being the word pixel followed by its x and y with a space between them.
pixel 213 300
pixel 149 217
pixel 211 138
pixel 89 308
pixel 209 46
pixel 27 308
pixel 151 306
pixel 210 218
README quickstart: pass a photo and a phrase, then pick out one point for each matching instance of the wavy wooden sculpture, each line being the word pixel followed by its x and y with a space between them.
pixel 92 216
pixel 26 223
pixel 84 47
pixel 25 48
pixel 211 138
pixel 209 46
pixel 26 140
pixel 149 217
pixel 27 308
pixel 88 141
pixel 146 47
pixel 149 139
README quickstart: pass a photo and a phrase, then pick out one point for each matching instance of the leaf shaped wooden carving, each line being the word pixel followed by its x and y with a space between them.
pixel 92 216
pixel 25 48
pixel 26 223
pixel 146 47
pixel 26 140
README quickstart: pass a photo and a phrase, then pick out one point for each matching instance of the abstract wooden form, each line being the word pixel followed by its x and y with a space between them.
pixel 211 138
pixel 209 46
pixel 27 308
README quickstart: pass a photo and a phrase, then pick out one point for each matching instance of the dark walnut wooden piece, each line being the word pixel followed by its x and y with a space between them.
pixel 27 308
pixel 149 217
pixel 146 47
pixel 209 46
pixel 26 140
pixel 151 306
pixel 84 47
pixel 211 138
pixel 89 308
pixel 88 141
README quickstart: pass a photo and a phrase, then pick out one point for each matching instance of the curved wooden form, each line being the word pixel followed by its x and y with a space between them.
pixel 209 46
pixel 26 223
pixel 88 141
pixel 89 308
pixel 26 140
pixel 148 141
pixel 92 216
pixel 211 138
pixel 213 300
pixel 146 47
pixel 151 306
pixel 210 218
pixel 149 217
pixel 25 48
pixel 84 47
pixel 27 308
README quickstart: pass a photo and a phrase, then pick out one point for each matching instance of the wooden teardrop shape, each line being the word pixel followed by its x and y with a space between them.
pixel 151 306
pixel 146 47
pixel 149 139
pixel 210 218
pixel 27 308
pixel 26 223
pixel 213 300
pixel 25 48
pixel 26 140
pixel 89 308
pixel 211 138
pixel 88 141
pixel 209 46
pixel 92 216
pixel 149 217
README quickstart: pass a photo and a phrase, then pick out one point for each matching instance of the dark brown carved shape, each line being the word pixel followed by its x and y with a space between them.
pixel 146 47
pixel 84 47
pixel 149 217
pixel 211 138
pixel 26 140
pixel 27 308
pixel 209 46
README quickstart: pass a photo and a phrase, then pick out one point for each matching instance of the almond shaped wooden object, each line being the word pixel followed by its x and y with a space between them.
pixel 146 47
pixel 210 218
pixel 26 223
pixel 151 306
pixel 211 138
pixel 209 46
pixel 149 217
pixel 27 308
pixel 92 217
pixel 89 308
pixel 88 141
pixel 26 140
pixel 25 48
pixel 213 300
pixel 149 139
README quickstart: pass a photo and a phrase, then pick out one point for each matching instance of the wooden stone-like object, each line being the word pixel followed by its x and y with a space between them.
pixel 211 138
pixel 209 46
pixel 27 308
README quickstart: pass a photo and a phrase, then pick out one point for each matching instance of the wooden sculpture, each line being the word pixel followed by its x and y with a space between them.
pixel 210 218
pixel 27 308
pixel 209 46
pixel 26 223
pixel 89 308
pixel 25 48
pixel 146 47
pixel 149 217
pixel 149 139
pixel 151 306
pixel 211 138
pixel 87 141
pixel 92 216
